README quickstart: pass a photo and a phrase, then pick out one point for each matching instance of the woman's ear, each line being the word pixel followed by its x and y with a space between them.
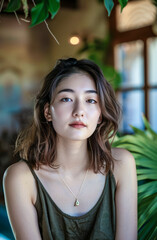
pixel 47 112
pixel 100 119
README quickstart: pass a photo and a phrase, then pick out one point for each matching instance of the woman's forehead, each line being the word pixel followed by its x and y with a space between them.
pixel 77 81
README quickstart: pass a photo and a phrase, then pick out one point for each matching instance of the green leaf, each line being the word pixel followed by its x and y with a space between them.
pixel 147 171
pixel 146 176
pixel 137 130
pixel 39 13
pixel 147 125
pixel 144 162
pixel 123 3
pixel 154 233
pixel 150 188
pixel 109 4
pixel 147 191
pixel 53 7
pixel 13 5
pixel 148 229
pixel 147 211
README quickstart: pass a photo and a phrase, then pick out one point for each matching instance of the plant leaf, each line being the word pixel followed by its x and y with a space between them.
pixel 39 13
pixel 145 191
pixel 109 4
pixel 53 7
pixel 148 230
pixel 154 233
pixel 144 162
pixel 123 3
pixel 13 5
pixel 143 177
pixel 148 187
pixel 147 125
pixel 147 211
pixel 147 171
pixel 137 130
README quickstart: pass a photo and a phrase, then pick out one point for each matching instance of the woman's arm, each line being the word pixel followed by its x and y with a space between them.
pixel 20 191
pixel 126 195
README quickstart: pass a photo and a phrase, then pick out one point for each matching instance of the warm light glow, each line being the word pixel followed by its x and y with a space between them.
pixel 74 40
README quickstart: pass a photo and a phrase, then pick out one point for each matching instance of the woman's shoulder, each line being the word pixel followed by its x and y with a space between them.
pixel 121 154
pixel 17 170
pixel 124 163
pixel 18 176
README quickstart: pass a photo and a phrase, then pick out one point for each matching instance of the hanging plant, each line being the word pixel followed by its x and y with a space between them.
pixel 44 8
pixel 39 13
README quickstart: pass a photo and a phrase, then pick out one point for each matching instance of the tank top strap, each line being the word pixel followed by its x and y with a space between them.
pixel 31 169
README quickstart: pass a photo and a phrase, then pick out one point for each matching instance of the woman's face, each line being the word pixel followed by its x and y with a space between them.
pixel 75 110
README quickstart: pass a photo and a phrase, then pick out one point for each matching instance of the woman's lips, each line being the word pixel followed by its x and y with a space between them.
pixel 77 125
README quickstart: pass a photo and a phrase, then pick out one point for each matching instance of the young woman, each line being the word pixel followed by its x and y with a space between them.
pixel 69 183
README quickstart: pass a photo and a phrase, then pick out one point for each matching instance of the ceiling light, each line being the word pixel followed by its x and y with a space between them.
pixel 74 40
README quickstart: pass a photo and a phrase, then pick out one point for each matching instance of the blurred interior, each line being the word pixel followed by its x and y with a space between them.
pixel 28 54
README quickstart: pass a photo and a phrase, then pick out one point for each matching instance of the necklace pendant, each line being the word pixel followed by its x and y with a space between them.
pixel 76 203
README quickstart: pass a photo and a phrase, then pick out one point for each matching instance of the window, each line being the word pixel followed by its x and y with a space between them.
pixel 135 57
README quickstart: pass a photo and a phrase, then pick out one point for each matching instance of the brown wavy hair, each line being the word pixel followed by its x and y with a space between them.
pixel 37 143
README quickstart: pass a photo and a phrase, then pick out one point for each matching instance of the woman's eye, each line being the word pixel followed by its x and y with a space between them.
pixel 91 101
pixel 66 99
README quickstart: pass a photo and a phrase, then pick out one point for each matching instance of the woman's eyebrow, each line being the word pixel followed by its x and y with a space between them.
pixel 71 90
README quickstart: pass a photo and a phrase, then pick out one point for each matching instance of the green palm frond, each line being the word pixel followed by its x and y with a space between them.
pixel 143 146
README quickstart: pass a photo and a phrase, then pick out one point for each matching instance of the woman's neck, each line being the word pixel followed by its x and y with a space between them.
pixel 72 156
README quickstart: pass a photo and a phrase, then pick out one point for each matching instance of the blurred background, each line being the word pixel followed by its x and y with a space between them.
pixel 124 45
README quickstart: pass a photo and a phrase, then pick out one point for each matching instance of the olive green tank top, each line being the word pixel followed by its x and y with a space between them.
pixel 96 224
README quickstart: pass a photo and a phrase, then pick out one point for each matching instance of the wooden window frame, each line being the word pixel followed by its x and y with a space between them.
pixel 143 33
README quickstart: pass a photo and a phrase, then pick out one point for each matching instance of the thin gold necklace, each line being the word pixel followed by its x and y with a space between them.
pixel 76 203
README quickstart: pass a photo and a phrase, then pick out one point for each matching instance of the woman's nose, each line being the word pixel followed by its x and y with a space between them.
pixel 78 110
